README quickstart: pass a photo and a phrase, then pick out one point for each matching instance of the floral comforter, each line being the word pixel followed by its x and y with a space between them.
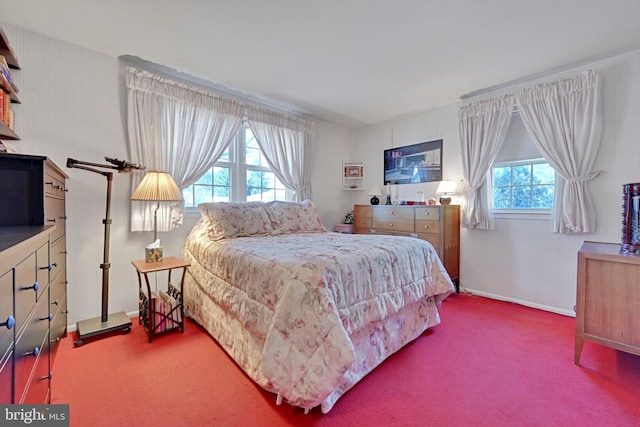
pixel 286 307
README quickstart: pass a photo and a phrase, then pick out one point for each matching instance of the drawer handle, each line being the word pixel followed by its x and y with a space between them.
pixel 56 302
pixel 54 220
pixel 49 317
pixel 56 340
pixel 427 213
pixel 50 266
pixel 391 225
pixel 66 190
pixel 63 217
pixel 35 287
pixel 9 323
pixel 46 377
pixel 34 353
pixel 426 227
pixel 51 183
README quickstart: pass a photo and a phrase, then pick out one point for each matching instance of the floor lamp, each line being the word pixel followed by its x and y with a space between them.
pixel 106 323
pixel 157 186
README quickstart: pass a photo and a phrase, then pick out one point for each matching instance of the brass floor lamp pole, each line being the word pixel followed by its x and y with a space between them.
pixel 106 323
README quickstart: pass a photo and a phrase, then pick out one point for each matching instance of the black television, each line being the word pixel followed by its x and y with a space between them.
pixel 415 163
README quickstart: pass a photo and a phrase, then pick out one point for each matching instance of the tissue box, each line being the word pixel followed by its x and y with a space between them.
pixel 153 255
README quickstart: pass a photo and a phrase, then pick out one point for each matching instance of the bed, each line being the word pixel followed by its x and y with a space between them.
pixel 305 312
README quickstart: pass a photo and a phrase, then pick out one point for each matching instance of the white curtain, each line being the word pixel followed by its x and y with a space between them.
pixel 286 144
pixel 177 129
pixel 483 128
pixel 565 120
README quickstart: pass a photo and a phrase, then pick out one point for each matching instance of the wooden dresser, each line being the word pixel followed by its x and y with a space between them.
pixel 439 225
pixel 608 298
pixel 32 195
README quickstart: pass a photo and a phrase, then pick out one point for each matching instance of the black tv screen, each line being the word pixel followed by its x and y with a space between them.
pixel 413 163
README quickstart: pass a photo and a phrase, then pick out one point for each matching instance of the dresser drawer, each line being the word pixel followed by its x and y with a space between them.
pixel 394 212
pixel 6 310
pixel 434 239
pixel 432 227
pixel 25 293
pixel 53 182
pixel 55 215
pixel 58 260
pixel 58 326
pixel 37 391
pixel 6 378
pixel 428 213
pixel 42 271
pixel 393 224
pixel 362 222
pixel 362 211
pixel 35 336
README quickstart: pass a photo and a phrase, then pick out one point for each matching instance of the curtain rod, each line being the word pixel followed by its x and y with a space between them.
pixel 186 78
pixel 547 73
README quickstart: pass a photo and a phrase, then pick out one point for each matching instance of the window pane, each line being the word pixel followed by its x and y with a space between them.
pixel 543 197
pixel 221 194
pixel 202 194
pixel 521 197
pixel 187 195
pixel 502 197
pixel 207 178
pixel 221 176
pixel 225 156
pixel 543 173
pixel 521 175
pixel 502 176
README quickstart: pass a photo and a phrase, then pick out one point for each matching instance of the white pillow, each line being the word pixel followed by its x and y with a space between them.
pixel 293 217
pixel 235 219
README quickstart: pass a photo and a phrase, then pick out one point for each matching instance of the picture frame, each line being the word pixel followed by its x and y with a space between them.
pixel 353 172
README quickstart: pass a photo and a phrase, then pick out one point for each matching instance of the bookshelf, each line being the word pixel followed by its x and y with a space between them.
pixel 8 89
pixel 352 176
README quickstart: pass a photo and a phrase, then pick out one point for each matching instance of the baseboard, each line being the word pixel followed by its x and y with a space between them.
pixel 521 302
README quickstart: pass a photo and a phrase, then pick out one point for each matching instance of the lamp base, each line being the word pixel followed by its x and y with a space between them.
pixel 445 200
pixel 374 200
pixel 94 327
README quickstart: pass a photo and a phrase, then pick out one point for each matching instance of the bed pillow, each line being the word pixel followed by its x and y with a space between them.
pixel 235 219
pixel 294 217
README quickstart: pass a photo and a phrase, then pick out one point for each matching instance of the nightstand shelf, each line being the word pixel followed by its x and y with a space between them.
pixel 160 312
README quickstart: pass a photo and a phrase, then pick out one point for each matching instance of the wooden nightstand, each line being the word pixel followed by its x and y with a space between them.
pixel 162 312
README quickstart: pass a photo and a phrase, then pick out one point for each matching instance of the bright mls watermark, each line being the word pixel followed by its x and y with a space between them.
pixel 34 415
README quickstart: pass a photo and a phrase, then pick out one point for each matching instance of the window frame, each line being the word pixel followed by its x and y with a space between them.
pixel 516 213
pixel 237 170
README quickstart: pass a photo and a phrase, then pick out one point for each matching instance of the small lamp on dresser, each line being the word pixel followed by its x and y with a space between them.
pixel 446 188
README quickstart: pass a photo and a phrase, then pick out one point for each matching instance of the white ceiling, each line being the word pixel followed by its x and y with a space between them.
pixel 349 62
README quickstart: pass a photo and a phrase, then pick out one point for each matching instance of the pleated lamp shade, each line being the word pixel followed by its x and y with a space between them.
pixel 158 187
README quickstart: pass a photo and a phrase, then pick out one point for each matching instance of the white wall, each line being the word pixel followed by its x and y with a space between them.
pixel 74 105
pixel 521 260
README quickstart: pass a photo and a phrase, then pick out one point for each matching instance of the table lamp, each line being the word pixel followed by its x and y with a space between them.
pixel 157 186
pixel 446 188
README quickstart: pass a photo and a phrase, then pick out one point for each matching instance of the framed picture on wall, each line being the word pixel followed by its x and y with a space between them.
pixel 353 171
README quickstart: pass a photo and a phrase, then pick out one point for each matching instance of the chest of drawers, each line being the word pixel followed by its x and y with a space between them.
pixel 32 196
pixel 439 225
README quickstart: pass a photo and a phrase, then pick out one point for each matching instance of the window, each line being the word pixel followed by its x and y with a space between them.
pixel 520 185
pixel 240 174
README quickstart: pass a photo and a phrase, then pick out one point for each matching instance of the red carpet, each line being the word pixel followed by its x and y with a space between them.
pixel 489 363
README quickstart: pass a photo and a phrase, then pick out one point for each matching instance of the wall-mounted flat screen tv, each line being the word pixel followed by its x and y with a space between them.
pixel 413 163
